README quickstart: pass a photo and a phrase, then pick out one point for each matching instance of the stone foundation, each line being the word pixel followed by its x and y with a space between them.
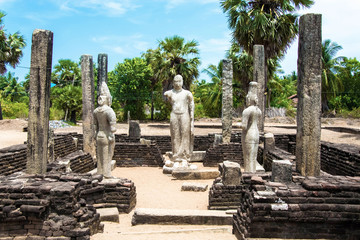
pixel 323 207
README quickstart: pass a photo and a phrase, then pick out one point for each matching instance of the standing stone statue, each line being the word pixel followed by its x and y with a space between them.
pixel 105 121
pixel 250 131
pixel 181 120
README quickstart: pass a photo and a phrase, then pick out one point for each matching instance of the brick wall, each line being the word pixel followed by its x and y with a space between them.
pixel 13 159
pixel 131 154
pixel 324 207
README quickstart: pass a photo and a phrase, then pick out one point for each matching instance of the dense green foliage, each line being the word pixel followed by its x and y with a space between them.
pixel 130 86
pixel 11 46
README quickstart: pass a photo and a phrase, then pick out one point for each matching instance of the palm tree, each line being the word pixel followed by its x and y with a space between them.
pixel 266 22
pixel 210 93
pixel 179 57
pixel 331 83
pixel 10 48
pixel 66 72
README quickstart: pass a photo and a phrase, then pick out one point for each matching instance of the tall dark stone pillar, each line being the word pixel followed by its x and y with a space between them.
pixel 259 77
pixel 102 70
pixel 309 95
pixel 87 76
pixel 227 100
pixel 39 101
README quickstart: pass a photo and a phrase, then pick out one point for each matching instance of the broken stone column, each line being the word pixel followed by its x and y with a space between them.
pixel 281 171
pixel 309 95
pixel 39 101
pixel 102 70
pixel 227 100
pixel 259 77
pixel 134 129
pixel 87 77
pixel 230 173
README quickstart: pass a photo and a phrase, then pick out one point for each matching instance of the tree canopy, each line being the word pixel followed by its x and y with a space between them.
pixel 11 46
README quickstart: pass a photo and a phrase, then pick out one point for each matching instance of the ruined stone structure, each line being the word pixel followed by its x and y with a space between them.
pixel 88 101
pixel 39 101
pixel 309 95
pixel 227 100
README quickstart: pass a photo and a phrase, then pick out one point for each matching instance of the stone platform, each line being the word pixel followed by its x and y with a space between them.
pixel 171 216
pixel 195 174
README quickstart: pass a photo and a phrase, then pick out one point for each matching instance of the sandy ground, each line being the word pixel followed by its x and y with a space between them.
pixel 156 190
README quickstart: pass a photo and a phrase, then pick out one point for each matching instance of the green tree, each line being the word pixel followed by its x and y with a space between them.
pixel 130 85
pixel 66 72
pixel 331 83
pixel 349 73
pixel 13 90
pixel 175 56
pixel 69 99
pixel 210 93
pixel 11 46
pixel 271 23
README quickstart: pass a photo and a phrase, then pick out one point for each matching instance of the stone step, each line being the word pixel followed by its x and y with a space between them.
pixel 108 214
pixel 195 174
pixel 224 229
pixel 174 216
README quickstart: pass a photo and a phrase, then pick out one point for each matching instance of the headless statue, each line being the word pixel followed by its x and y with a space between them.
pixel 250 131
pixel 105 121
pixel 181 120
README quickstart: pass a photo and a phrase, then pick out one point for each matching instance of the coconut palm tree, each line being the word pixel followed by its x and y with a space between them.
pixel 179 57
pixel 272 23
pixel 10 47
pixel 331 83
pixel 210 93
pixel 66 72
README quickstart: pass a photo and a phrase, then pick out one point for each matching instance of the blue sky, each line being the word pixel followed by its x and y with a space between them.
pixel 127 28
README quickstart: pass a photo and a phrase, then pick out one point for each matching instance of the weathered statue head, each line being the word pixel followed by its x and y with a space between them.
pixel 178 82
pixel 251 97
pixel 104 96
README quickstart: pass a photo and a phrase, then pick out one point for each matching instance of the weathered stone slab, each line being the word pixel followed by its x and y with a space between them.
pixel 39 101
pixel 108 214
pixel 230 173
pixel 281 171
pixel 309 94
pixel 134 129
pixel 195 174
pixel 171 216
pixel 197 156
pixel 194 187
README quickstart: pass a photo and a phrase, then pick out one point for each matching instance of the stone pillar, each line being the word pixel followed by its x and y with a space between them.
pixel 227 100
pixel 88 101
pixel 39 101
pixel 281 171
pixel 102 69
pixel 309 95
pixel 269 144
pixel 259 77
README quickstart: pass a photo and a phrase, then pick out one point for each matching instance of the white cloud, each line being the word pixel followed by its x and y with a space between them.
pixel 174 3
pixel 99 7
pixel 123 45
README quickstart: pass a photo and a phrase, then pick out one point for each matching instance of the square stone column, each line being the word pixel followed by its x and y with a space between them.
pixel 227 100
pixel 39 101
pixel 259 77
pixel 102 70
pixel 88 101
pixel 309 95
